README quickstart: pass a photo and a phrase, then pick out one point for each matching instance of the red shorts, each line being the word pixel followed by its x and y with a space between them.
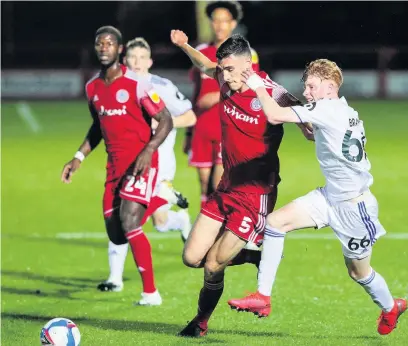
pixel 206 142
pixel 137 189
pixel 244 214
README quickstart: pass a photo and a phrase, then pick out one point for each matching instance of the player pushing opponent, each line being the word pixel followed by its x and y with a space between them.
pixel 345 203
pixel 235 213
pixel 205 151
pixel 122 106
pixel 138 59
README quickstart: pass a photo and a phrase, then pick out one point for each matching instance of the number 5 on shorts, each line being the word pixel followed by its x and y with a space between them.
pixel 353 244
pixel 245 224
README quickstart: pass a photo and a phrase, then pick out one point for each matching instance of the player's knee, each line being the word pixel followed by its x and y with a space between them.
pixel 191 260
pixel 131 218
pixel 277 220
pixel 115 231
pixel 359 273
pixel 212 269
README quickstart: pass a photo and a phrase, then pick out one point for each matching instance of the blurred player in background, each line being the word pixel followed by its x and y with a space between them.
pixel 205 151
pixel 138 59
pixel 345 203
pixel 235 213
pixel 122 105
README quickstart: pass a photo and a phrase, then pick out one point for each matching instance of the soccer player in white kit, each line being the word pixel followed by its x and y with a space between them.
pixel 345 203
pixel 138 59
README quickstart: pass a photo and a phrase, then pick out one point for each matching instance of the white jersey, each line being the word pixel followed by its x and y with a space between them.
pixel 177 104
pixel 340 147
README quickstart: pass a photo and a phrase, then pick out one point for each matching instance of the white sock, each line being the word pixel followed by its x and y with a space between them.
pixel 117 256
pixel 174 222
pixel 270 259
pixel 377 288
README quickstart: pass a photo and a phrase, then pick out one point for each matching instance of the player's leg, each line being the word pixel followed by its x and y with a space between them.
pixel 357 226
pixel 201 157
pixel 307 211
pixel 225 248
pixel 118 246
pixel 131 215
pixel 136 195
pixel 251 252
pixel 202 237
pixel 218 169
pixel 166 220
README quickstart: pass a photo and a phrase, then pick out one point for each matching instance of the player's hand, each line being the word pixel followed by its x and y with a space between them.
pixel 178 37
pixel 70 169
pixel 143 161
pixel 250 78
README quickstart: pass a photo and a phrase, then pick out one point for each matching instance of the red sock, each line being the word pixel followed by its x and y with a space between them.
pixel 142 254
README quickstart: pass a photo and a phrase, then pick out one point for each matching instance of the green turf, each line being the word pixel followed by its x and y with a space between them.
pixel 315 303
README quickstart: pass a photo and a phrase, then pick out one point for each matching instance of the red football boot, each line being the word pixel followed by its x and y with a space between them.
pixel 256 303
pixel 387 321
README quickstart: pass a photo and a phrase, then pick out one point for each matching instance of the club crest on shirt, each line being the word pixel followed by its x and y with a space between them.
pixel 256 104
pixel 154 96
pixel 122 96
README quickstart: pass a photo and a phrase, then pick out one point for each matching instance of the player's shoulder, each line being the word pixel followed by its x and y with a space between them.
pixel 129 74
pixel 160 81
pixel 268 82
pixel 89 85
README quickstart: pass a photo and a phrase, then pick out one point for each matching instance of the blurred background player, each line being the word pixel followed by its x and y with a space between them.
pixel 205 150
pixel 345 203
pixel 122 105
pixel 235 213
pixel 138 59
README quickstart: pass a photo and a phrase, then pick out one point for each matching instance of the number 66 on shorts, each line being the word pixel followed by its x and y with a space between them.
pixel 355 222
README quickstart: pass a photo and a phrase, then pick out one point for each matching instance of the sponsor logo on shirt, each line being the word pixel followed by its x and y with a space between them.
pixel 240 116
pixel 112 112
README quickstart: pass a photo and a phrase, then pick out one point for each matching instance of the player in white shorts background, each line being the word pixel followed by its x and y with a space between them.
pixel 345 203
pixel 138 59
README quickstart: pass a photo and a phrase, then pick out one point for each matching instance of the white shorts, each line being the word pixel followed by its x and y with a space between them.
pixel 167 159
pixel 355 222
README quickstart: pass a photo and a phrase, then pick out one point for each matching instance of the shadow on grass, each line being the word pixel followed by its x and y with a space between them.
pixel 173 329
pixel 77 282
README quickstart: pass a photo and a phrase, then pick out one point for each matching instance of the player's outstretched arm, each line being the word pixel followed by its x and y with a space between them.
pixel 180 39
pixel 91 141
pixel 186 119
pixel 274 113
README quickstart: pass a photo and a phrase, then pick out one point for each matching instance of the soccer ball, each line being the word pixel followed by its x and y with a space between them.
pixel 60 332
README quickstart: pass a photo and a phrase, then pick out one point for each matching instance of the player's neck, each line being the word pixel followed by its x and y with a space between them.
pixel 243 88
pixel 111 72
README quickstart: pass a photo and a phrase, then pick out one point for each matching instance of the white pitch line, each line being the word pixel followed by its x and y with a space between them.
pixel 175 234
pixel 25 113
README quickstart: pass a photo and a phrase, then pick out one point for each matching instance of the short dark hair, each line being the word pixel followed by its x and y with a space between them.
pixel 108 29
pixel 138 42
pixel 235 45
pixel 234 7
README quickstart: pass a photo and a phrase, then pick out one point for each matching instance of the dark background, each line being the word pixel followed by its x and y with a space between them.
pixel 285 34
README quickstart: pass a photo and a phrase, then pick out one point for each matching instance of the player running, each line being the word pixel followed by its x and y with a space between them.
pixel 122 105
pixel 235 213
pixel 205 153
pixel 138 59
pixel 345 203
